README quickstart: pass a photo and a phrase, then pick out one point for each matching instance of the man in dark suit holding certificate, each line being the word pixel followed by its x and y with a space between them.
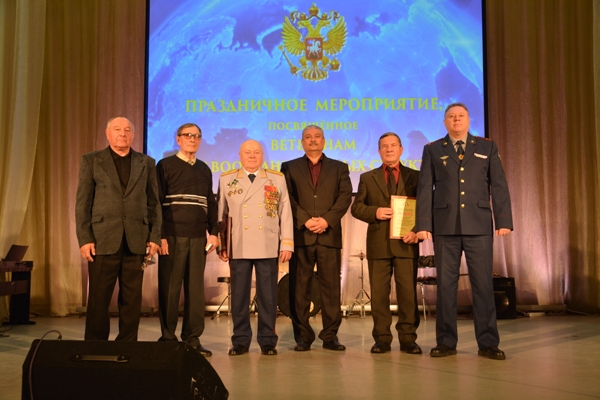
pixel 460 173
pixel 118 219
pixel 388 256
pixel 320 194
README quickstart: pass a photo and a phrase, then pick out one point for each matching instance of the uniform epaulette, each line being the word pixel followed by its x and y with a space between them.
pixel 435 141
pixel 272 171
pixel 229 172
pixel 483 138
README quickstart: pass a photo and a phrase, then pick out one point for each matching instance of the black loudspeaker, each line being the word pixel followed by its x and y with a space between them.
pixel 505 296
pixel 65 369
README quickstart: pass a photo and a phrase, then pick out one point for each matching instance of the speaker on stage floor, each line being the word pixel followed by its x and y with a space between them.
pixel 68 369
pixel 505 296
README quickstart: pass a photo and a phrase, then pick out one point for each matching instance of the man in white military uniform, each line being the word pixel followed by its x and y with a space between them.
pixel 256 230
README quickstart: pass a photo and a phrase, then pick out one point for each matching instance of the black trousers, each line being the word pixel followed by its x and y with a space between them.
pixel 103 274
pixel 404 271
pixel 478 252
pixel 328 260
pixel 184 264
pixel 266 298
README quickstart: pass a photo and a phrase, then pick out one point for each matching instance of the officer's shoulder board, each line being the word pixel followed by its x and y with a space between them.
pixel 483 138
pixel 439 140
pixel 272 171
pixel 233 171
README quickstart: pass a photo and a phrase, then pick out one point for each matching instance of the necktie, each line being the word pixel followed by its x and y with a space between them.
pixel 251 177
pixel 391 181
pixel 459 149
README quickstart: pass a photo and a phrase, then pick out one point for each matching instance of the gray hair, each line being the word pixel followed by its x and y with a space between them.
pixel 113 118
pixel 456 105
pixel 311 127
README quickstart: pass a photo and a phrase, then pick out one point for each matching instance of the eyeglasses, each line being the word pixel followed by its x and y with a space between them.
pixel 188 136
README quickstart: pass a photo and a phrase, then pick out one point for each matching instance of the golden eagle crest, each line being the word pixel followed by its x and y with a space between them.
pixel 312 47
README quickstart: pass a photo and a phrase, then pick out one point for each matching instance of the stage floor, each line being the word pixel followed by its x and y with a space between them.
pixel 548 357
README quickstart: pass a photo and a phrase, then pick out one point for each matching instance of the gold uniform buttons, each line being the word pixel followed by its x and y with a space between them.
pixel 462 193
pixel 462 206
pixel 462 181
pixel 260 228
pixel 245 205
pixel 246 228
pixel 260 216
pixel 462 168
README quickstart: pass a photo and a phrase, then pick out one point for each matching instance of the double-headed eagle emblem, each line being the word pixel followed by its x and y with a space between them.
pixel 312 47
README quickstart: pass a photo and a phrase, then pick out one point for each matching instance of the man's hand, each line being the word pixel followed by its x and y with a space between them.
pixel 424 235
pixel 285 256
pixel 152 249
pixel 164 248
pixel 410 238
pixel 88 251
pixel 223 255
pixel 502 232
pixel 311 225
pixel 384 213
pixel 212 239
pixel 316 225
pixel 320 225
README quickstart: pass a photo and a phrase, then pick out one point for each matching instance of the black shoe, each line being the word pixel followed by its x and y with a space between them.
pixel 334 345
pixel 441 350
pixel 380 347
pixel 204 351
pixel 268 350
pixel 492 352
pixel 410 348
pixel 302 346
pixel 237 350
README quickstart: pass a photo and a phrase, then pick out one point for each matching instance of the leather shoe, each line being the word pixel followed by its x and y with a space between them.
pixel 268 350
pixel 441 350
pixel 334 345
pixel 202 350
pixel 410 348
pixel 492 352
pixel 237 350
pixel 302 346
pixel 380 347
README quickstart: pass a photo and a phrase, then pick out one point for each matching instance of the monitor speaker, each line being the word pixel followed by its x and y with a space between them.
pixel 64 369
pixel 505 296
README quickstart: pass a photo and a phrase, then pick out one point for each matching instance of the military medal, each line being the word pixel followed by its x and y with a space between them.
pixel 443 158
pixel 461 156
pixel 233 188
pixel 272 197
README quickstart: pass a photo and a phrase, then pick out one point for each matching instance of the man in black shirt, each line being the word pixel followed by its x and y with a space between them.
pixel 189 211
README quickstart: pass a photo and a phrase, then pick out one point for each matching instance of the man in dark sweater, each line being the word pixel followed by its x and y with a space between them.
pixel 189 211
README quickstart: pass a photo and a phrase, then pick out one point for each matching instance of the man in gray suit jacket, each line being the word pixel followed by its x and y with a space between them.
pixel 459 175
pixel 386 256
pixel 118 220
pixel 320 194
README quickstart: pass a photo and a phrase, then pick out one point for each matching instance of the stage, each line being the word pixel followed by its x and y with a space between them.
pixel 548 357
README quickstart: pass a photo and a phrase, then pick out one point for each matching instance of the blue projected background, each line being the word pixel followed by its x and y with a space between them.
pixel 375 67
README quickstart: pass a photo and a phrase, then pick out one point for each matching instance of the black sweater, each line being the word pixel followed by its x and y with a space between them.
pixel 189 206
